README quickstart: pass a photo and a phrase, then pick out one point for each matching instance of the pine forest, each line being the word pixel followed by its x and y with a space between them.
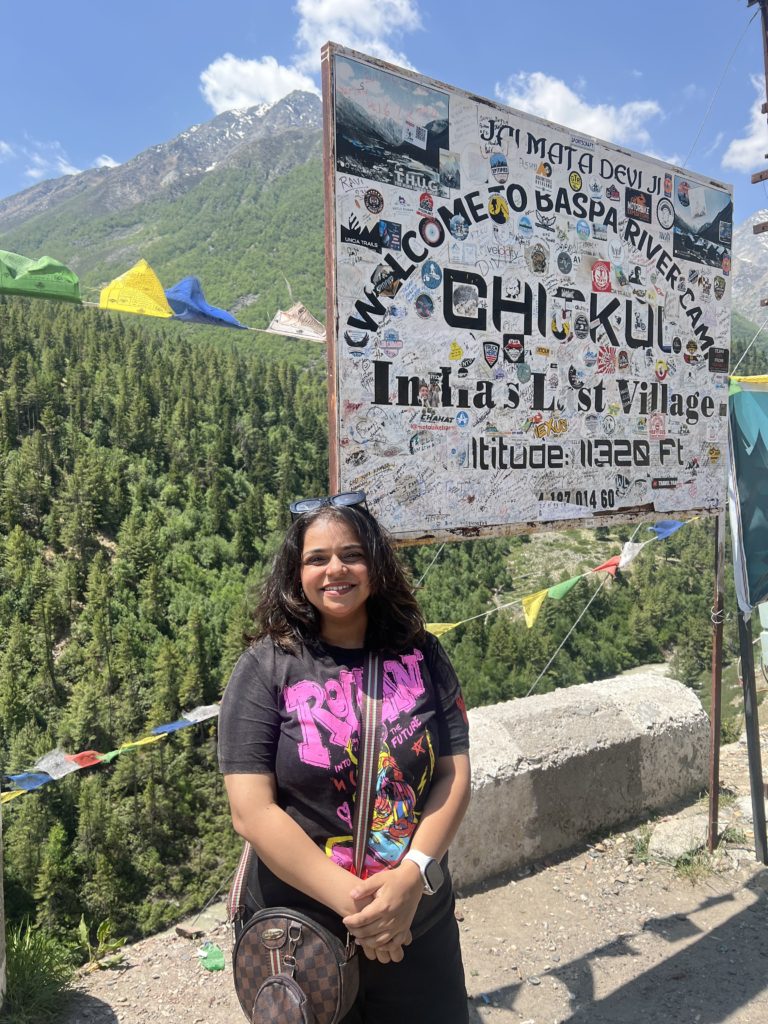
pixel 145 476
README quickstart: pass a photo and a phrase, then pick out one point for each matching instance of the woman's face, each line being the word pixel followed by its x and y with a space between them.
pixel 334 573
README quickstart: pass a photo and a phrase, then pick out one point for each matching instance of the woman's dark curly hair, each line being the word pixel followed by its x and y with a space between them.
pixel 284 614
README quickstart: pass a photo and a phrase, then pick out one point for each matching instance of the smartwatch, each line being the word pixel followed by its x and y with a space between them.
pixel 431 873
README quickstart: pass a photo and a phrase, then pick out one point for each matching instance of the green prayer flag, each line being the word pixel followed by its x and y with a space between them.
pixel 44 278
pixel 561 589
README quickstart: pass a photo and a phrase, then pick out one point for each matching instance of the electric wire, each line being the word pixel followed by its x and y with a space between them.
pixel 573 627
pixel 749 346
pixel 717 89
pixel 424 575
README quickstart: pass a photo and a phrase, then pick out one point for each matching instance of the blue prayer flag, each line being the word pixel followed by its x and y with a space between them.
pixel 188 303
pixel 181 723
pixel 30 780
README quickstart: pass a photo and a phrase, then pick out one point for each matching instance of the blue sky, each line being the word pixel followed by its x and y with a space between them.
pixel 93 82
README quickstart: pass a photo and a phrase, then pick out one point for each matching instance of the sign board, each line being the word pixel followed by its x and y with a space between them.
pixel 526 326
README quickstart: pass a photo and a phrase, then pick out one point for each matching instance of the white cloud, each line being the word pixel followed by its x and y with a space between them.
pixel 748 153
pixel 6 151
pixel 715 145
pixel 105 161
pixel 366 25
pixel 693 91
pixel 369 25
pixel 552 99
pixel 231 83
pixel 47 160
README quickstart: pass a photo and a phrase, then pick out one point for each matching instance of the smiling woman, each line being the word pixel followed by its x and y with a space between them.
pixel 289 738
pixel 334 577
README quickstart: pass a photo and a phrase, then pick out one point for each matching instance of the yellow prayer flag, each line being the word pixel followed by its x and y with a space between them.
pixel 138 290
pixel 532 606
pixel 143 742
pixel 12 794
pixel 438 628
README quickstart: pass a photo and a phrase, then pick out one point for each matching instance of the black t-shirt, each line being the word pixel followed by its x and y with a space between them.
pixel 298 718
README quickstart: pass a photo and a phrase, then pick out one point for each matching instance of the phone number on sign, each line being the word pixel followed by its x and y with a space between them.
pixel 589 499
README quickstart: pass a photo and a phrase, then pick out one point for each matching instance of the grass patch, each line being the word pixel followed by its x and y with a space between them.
pixel 725 798
pixel 730 730
pixel 39 969
pixel 694 866
pixel 640 843
pixel 734 836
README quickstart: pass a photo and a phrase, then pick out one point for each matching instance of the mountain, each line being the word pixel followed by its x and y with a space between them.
pixel 237 201
pixel 750 268
pixel 166 170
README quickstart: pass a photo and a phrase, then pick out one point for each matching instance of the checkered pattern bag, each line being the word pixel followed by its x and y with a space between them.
pixel 287 968
pixel 281 945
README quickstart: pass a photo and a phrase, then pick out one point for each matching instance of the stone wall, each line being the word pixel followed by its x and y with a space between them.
pixel 549 771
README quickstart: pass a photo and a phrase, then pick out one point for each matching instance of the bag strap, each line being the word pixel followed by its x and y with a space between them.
pixel 368 760
pixel 236 895
pixel 367 772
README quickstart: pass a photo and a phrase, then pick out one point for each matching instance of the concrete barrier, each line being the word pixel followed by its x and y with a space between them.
pixel 549 771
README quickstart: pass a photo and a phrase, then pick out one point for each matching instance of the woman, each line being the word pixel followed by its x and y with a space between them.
pixel 288 731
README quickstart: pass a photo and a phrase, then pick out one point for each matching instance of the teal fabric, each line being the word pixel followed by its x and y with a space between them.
pixel 748 410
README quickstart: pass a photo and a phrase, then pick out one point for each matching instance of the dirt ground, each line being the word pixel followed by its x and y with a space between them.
pixel 597 936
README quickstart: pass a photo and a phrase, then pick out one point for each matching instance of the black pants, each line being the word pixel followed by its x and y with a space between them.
pixel 426 987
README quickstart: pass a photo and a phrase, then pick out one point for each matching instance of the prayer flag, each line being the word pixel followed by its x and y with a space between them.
pixel 30 780
pixel 86 759
pixel 610 566
pixel 630 551
pixel 297 322
pixel 188 303
pixel 57 764
pixel 45 278
pixel 665 528
pixel 438 628
pixel 180 723
pixel 532 606
pixel 11 794
pixel 138 290
pixel 143 742
pixel 561 589
pixel 202 713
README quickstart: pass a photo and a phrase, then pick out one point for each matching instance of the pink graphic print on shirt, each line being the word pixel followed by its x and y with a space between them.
pixel 329 713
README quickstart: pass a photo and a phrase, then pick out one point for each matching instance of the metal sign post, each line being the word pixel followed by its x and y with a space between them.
pixel 717 674
pixel 752 726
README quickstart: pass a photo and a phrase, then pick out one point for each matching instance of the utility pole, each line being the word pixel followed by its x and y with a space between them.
pixel 2 920
pixel 758 229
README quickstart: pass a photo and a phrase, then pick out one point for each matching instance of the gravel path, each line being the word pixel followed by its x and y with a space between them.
pixel 594 937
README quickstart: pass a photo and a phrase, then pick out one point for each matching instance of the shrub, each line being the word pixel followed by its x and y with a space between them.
pixel 39 968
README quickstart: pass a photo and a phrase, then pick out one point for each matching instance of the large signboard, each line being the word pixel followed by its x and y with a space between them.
pixel 526 325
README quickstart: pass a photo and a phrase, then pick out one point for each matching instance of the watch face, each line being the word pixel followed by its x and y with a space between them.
pixel 434 875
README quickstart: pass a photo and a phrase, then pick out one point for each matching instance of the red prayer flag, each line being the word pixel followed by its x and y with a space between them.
pixel 85 759
pixel 610 566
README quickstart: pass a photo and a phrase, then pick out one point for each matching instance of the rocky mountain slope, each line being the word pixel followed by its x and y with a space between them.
pixel 236 201
pixel 233 200
pixel 168 169
pixel 750 268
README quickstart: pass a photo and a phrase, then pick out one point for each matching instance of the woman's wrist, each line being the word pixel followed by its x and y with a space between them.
pixel 409 871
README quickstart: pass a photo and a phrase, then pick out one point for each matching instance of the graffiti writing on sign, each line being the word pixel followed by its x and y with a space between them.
pixel 535 312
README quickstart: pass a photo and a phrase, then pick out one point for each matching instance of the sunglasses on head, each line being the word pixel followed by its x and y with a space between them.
pixel 347 499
